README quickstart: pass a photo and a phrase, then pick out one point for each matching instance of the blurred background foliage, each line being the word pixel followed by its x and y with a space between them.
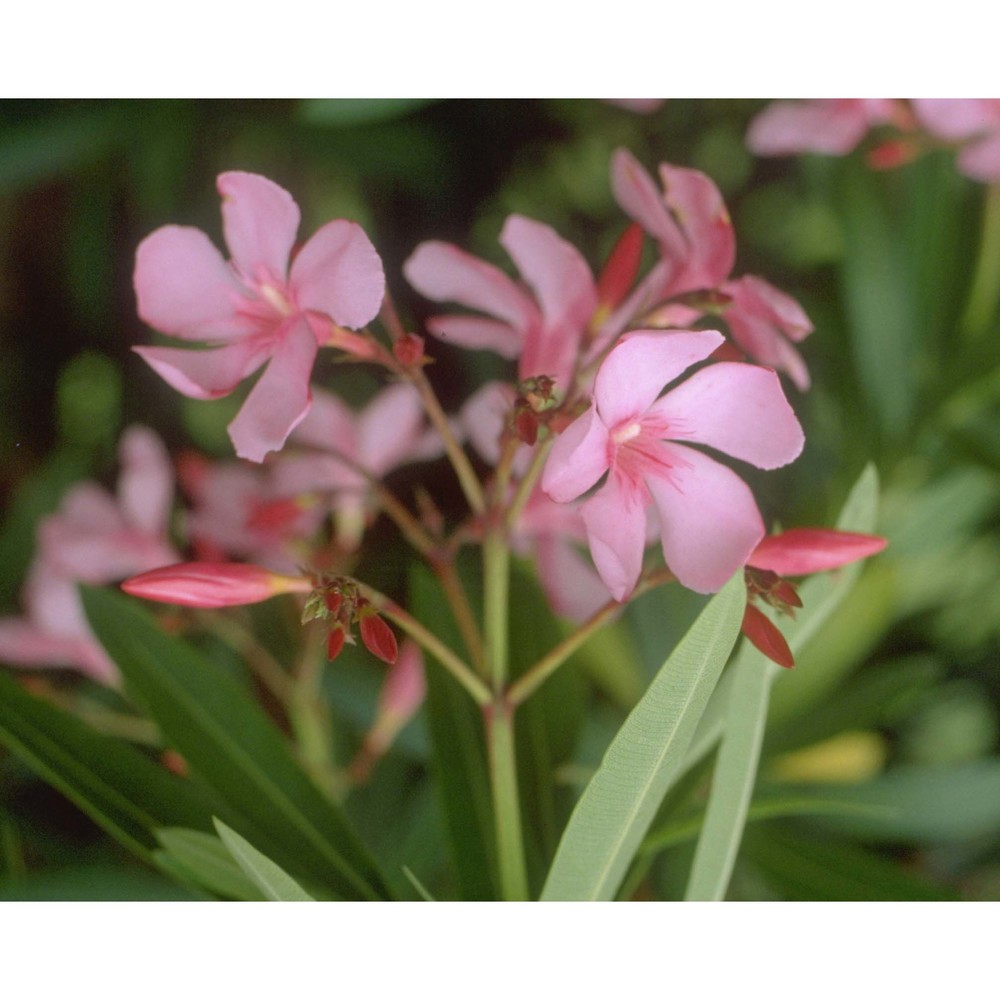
pixel 894 704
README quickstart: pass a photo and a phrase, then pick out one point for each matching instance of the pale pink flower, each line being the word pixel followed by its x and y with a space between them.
pixel 691 225
pixel 975 124
pixel 543 329
pixel 255 310
pixel 93 538
pixel 833 127
pixel 390 431
pixel 709 522
pixel 241 511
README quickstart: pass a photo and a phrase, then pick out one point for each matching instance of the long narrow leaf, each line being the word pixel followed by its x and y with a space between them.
pixel 203 859
pixel 124 792
pixel 232 747
pixel 275 883
pixel 620 801
pixel 745 723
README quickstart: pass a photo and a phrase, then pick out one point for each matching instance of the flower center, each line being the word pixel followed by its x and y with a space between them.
pixel 626 432
pixel 276 298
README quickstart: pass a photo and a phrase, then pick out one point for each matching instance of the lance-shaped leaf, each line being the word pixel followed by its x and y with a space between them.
pixel 275 883
pixel 232 747
pixel 620 801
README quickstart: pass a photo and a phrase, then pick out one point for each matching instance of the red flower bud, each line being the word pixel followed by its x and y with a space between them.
pixel 621 268
pixel 409 349
pixel 813 550
pixel 764 634
pixel 335 642
pixel 378 637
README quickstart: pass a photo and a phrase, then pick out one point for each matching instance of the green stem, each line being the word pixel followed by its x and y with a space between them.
pixel 536 675
pixel 496 597
pixel 310 717
pixel 453 663
pixel 985 291
pixel 506 804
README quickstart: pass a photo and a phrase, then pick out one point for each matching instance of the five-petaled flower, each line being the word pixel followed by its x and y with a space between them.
pixel 709 521
pixel 255 309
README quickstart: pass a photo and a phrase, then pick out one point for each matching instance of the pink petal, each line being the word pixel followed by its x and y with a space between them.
pixel 578 458
pixel 444 273
pixel 329 424
pixel 146 481
pixel 186 289
pixel 981 160
pixel 281 397
pixel 207 374
pixel 314 472
pixel 482 418
pixel 637 194
pixel 800 551
pixel 738 409
pixel 572 587
pixel 556 271
pixel 708 231
pixel 616 532
pixel 641 364
pixel 389 428
pixel 784 128
pixel 956 119
pixel 260 220
pixel 478 334
pixel 709 521
pixel 25 645
pixel 757 295
pixel 339 272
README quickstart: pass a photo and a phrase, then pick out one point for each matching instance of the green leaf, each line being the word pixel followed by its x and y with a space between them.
pixel 358 110
pixel 124 792
pixel 620 801
pixel 233 748
pixel 924 805
pixel 458 752
pixel 205 860
pixel 276 884
pixel 747 713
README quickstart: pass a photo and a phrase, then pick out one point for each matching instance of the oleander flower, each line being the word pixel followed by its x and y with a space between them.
pixel 255 310
pixel 708 520
pixel 545 330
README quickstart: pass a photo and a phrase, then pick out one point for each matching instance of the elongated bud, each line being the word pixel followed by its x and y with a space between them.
pixel 764 634
pixel 213 584
pixel 335 641
pixel 377 637
pixel 799 551
pixel 619 272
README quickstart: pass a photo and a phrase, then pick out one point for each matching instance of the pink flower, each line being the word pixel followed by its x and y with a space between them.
pixel 784 128
pixel 213 585
pixel 545 331
pixel 241 511
pixel 690 223
pixel 93 538
pixel 973 123
pixel 709 522
pixel 388 432
pixel 254 310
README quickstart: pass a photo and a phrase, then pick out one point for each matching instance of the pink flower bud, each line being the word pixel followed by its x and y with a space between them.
pixel 621 268
pixel 213 584
pixel 764 634
pixel 813 550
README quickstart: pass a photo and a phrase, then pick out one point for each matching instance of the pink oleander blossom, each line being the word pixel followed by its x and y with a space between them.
pixel 390 431
pixel 709 521
pixel 255 310
pixel 543 329
pixel 241 511
pixel 692 228
pixel 93 538
pixel 833 127
pixel 974 124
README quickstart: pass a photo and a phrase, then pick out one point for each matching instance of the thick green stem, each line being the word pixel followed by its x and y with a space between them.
pixel 506 804
pixel 985 292
pixel 496 597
